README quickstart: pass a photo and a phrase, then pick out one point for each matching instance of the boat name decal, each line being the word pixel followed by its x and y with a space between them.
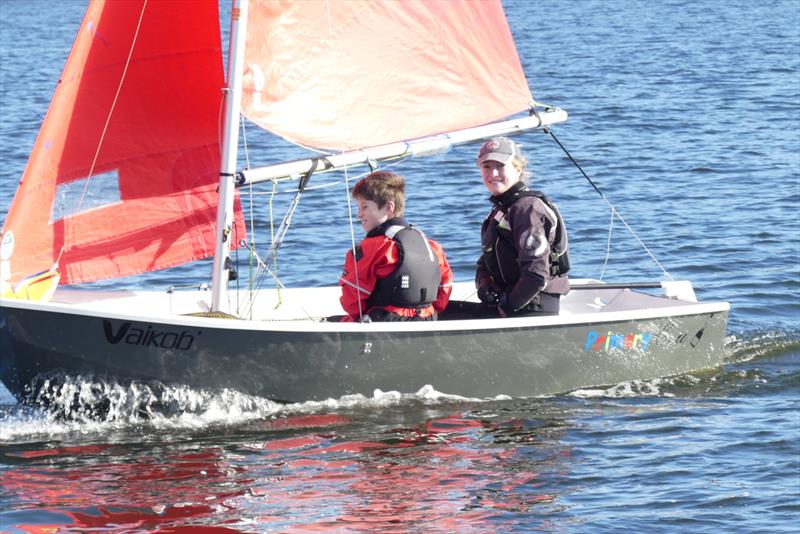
pixel 609 341
pixel 148 337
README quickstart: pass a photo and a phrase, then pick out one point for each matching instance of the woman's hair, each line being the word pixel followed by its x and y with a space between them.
pixel 381 187
pixel 520 161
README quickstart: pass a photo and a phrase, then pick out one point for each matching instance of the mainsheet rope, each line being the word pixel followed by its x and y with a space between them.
pixel 610 205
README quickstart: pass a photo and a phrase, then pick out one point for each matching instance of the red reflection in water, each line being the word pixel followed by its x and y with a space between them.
pixel 146 493
pixel 307 421
pixel 129 519
pixel 62 451
pixel 447 474
pixel 439 476
pixel 437 492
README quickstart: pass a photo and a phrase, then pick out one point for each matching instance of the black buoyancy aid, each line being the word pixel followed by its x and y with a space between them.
pixel 559 248
pixel 415 281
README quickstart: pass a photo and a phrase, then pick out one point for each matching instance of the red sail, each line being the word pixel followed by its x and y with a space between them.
pixel 122 178
pixel 344 74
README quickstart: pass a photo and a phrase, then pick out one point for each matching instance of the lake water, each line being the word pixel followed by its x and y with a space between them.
pixel 687 116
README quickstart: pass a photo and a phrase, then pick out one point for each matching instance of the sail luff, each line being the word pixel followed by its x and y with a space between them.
pixel 230 140
pixel 418 147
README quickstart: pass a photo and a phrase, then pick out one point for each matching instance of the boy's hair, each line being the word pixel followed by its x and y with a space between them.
pixel 381 187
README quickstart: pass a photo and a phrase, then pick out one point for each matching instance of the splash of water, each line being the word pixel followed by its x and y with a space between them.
pixel 67 406
pixel 634 388
pixel 761 344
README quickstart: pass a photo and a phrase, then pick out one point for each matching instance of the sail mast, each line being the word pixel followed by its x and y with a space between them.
pixel 230 141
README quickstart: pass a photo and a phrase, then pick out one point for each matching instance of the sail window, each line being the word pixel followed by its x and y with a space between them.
pixel 86 194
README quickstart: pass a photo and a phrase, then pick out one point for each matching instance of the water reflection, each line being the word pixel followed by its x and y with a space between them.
pixel 463 471
pixel 114 487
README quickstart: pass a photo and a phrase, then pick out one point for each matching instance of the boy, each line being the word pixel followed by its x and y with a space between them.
pixel 397 274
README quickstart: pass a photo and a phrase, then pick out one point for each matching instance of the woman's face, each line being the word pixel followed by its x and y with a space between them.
pixel 499 178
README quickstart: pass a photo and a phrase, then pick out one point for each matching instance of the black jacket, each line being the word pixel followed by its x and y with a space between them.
pixel 517 240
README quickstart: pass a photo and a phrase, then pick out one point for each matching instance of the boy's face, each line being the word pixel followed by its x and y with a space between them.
pixel 371 215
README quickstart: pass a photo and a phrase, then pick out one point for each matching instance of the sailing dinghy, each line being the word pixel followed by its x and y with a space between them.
pixel 136 169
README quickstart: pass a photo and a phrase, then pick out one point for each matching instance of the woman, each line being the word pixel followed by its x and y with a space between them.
pixel 523 268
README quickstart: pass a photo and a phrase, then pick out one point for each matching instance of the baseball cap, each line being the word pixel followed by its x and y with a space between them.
pixel 500 149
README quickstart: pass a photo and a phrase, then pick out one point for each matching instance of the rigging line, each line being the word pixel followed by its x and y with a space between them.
pixel 221 114
pixel 257 275
pixel 277 239
pixel 608 243
pixel 244 142
pixel 235 239
pixel 352 238
pixel 252 244
pixel 346 174
pixel 610 205
pixel 274 270
pixel 108 119
pixel 278 284
pixel 261 265
pixel 263 269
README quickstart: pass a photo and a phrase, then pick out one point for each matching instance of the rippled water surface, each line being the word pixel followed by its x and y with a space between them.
pixel 687 117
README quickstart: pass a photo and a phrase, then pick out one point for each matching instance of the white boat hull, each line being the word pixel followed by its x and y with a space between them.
pixel 602 337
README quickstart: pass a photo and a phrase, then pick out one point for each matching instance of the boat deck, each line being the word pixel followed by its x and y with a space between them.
pixel 303 305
